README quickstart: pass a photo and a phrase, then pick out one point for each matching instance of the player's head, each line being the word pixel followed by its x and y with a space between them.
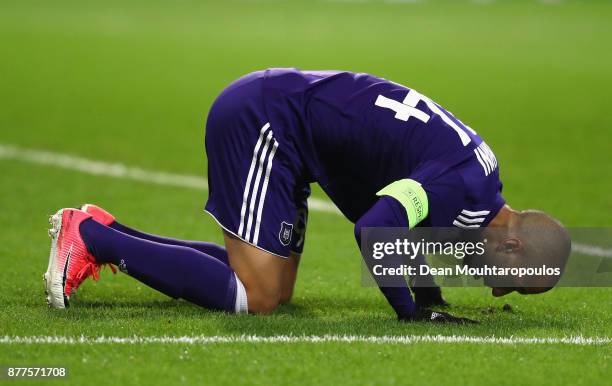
pixel 529 239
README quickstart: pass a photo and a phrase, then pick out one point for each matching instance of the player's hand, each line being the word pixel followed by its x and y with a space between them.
pixel 427 315
pixel 425 297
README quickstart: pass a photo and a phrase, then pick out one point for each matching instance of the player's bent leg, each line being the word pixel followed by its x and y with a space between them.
pixel 261 273
pixel 177 271
pixel 289 278
pixel 104 217
pixel 252 179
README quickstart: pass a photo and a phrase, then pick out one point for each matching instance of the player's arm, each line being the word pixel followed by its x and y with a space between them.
pixel 401 204
pixel 386 212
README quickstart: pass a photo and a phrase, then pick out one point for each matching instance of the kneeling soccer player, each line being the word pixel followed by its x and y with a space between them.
pixel 368 142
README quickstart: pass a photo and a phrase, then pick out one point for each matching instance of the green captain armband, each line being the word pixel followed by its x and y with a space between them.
pixel 412 196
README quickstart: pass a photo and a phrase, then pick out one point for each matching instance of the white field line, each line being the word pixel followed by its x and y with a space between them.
pixel 591 250
pixel 118 170
pixel 407 339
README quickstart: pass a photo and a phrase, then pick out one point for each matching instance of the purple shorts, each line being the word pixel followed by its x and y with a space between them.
pixel 255 189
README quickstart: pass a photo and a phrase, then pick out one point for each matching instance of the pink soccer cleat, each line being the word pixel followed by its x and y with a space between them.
pixel 98 214
pixel 70 263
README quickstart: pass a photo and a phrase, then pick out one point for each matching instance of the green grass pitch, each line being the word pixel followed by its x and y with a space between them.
pixel 131 82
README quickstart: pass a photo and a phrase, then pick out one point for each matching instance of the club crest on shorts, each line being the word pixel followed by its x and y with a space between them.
pixel 284 236
pixel 123 266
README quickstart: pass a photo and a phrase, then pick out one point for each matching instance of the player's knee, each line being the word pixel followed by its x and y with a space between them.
pixel 262 302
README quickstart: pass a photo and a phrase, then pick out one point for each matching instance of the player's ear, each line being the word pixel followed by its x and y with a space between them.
pixel 497 291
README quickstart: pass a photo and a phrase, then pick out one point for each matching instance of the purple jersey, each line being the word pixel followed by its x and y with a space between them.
pixel 272 133
pixel 354 134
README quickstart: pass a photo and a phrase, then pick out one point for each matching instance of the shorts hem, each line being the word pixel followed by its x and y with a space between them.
pixel 241 238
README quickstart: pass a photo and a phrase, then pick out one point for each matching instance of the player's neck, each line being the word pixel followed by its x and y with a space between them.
pixel 504 218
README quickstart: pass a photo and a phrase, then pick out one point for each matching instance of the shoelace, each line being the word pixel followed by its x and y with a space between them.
pixel 91 269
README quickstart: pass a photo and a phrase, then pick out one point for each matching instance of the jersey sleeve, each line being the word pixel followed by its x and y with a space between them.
pixel 428 198
pixel 461 196
pixel 438 196
pixel 446 195
pixel 412 197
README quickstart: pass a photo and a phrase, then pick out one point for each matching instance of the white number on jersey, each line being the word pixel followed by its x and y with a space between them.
pixel 407 108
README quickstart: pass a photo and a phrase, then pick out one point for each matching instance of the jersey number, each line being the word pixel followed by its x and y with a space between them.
pixel 407 108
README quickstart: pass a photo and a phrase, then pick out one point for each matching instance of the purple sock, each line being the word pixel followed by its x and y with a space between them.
pixel 177 271
pixel 211 249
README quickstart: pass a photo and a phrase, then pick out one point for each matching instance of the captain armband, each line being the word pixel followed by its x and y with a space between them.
pixel 412 196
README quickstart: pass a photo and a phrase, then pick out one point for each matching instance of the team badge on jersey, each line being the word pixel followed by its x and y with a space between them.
pixel 284 236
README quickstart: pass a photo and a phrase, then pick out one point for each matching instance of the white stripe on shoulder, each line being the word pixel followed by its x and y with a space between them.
pixel 462 225
pixel 467 220
pixel 247 187
pixel 470 213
